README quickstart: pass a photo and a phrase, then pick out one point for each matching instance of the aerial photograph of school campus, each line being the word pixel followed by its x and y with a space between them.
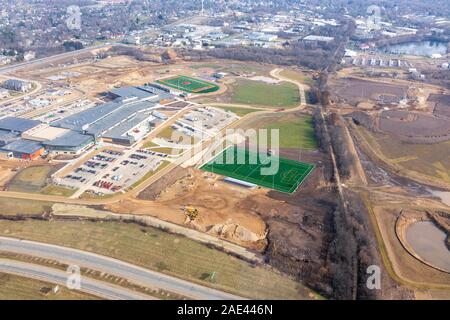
pixel 210 150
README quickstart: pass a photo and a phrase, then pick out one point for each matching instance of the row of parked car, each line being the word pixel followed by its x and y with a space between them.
pixel 106 185
pixel 77 178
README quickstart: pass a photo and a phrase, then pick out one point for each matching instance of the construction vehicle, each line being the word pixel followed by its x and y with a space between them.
pixel 191 212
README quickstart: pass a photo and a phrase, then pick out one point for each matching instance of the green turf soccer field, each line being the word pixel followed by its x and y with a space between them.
pixel 289 177
pixel 189 84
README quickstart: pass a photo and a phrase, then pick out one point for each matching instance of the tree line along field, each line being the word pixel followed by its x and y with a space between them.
pixel 164 252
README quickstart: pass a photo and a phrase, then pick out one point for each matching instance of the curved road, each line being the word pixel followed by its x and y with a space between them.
pixel 94 287
pixel 112 266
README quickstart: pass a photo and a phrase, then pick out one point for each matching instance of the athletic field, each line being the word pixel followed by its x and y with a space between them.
pixel 287 179
pixel 189 84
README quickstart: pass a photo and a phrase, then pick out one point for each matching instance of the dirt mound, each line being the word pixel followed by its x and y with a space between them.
pixel 361 118
pixel 231 230
pixel 152 192
pixel 441 104
pixel 169 55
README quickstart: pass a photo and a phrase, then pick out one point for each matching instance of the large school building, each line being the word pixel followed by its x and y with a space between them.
pixel 126 119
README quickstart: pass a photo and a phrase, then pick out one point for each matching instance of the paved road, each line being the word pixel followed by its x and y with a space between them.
pixel 87 285
pixel 112 266
pixel 276 73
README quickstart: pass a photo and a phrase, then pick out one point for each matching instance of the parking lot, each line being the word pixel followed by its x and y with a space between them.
pixel 111 171
pixel 208 120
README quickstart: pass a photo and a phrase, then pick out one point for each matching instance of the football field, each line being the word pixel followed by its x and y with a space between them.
pixel 287 178
pixel 189 84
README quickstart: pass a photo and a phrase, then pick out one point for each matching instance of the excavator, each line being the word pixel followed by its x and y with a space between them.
pixel 191 212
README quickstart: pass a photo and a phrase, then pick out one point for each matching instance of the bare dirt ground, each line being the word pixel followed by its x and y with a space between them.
pixel 389 195
pixel 441 104
pixel 293 230
pixel 399 173
pixel 404 123
pixel 219 205
pixel 356 90
pixel 424 163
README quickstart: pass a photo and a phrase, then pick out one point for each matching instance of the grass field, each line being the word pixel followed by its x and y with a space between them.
pixel 296 130
pixel 14 287
pixel 150 144
pixel 287 179
pixel 150 173
pixel 168 133
pixel 189 84
pixel 22 207
pixel 282 95
pixel 158 250
pixel 296 76
pixel 31 179
pixel 55 190
pixel 167 150
pixel 239 111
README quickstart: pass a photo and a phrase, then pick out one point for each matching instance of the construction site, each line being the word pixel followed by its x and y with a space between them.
pixel 110 137
pixel 130 149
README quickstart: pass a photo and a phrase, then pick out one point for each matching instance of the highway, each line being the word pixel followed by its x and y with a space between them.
pixel 87 285
pixel 21 65
pixel 115 267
